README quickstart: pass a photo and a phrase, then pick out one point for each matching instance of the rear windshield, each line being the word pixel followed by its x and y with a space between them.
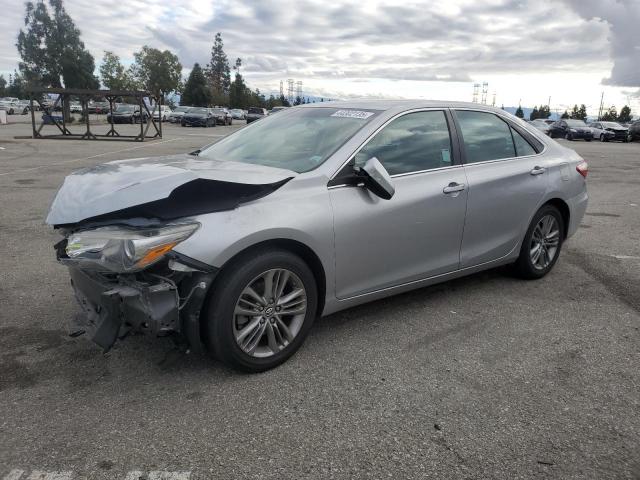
pixel 297 139
pixel 198 110
pixel 255 110
pixel 576 123
pixel 125 108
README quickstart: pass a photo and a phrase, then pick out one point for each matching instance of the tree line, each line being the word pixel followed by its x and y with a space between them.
pixel 579 113
pixel 53 55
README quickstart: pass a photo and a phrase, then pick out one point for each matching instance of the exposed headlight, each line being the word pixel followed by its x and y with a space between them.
pixel 118 249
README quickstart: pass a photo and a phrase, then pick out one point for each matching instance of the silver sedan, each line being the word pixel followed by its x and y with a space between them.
pixel 238 247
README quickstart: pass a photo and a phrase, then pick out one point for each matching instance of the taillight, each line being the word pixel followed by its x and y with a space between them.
pixel 583 168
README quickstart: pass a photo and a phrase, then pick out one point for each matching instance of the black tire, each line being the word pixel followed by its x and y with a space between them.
pixel 218 314
pixel 132 121
pixel 602 138
pixel 524 267
pixel 587 139
pixel 568 136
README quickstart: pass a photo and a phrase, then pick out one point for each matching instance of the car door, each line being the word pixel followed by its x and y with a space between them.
pixel 507 179
pixel 417 233
pixel 597 130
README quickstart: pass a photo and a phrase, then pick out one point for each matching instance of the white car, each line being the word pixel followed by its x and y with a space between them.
pixel 10 105
pixel 176 115
pixel 163 112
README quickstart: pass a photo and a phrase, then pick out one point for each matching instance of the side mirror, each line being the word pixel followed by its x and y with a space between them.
pixel 376 178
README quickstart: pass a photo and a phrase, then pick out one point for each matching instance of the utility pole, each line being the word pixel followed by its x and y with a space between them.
pixel 601 105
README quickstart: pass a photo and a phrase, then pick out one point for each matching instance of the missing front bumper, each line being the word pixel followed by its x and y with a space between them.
pixel 113 308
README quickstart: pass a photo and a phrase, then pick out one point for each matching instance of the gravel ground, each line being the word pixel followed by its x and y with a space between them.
pixel 483 377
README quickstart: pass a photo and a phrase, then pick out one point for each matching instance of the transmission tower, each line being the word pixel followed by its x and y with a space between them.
pixel 493 103
pixel 290 90
pixel 476 89
pixel 485 90
pixel 281 89
pixel 299 89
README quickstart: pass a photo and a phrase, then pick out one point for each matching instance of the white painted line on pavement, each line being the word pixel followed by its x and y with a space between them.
pixel 626 257
pixel 14 475
pixel 203 135
pixel 160 475
pixel 88 158
pixel 39 475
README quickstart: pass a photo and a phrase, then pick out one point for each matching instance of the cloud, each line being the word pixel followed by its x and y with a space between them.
pixel 623 19
pixel 456 42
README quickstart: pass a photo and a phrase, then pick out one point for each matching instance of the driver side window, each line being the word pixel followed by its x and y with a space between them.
pixel 411 143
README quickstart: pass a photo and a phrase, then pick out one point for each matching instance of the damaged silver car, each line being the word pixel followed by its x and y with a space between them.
pixel 238 247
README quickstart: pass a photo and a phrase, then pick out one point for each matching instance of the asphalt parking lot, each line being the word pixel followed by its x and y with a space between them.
pixel 483 377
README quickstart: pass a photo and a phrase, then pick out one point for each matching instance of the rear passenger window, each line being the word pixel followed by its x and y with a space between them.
pixel 522 146
pixel 411 143
pixel 485 136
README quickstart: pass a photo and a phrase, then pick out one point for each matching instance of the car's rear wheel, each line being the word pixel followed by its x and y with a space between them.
pixel 542 243
pixel 568 136
pixel 260 310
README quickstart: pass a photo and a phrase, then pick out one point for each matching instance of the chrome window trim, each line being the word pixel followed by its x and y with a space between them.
pixel 375 132
pixel 509 122
pixel 400 175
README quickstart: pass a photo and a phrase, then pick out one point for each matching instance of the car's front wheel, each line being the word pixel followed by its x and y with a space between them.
pixel 260 310
pixel 603 138
pixel 568 136
pixel 542 243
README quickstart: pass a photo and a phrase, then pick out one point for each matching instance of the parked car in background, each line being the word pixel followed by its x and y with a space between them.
pixel 75 107
pixel 124 113
pixel 162 112
pixel 276 110
pixel 541 125
pixel 238 114
pixel 256 113
pixel 222 116
pixel 198 117
pixel 98 107
pixel 176 114
pixel 634 131
pixel 25 106
pixel 607 131
pixel 11 105
pixel 309 212
pixel 570 129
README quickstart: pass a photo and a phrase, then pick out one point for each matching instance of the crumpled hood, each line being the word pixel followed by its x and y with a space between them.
pixel 122 184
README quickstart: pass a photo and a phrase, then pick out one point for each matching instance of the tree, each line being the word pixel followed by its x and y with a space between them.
pixel 113 74
pixel 582 112
pixel 519 112
pixel 16 87
pixel 195 91
pixel 544 112
pixel 565 115
pixel 51 51
pixel 534 113
pixel 218 72
pixel 3 85
pixel 624 117
pixel 156 71
pixel 610 115
pixel 574 113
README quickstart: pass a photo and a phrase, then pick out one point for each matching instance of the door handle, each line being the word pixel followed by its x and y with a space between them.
pixel 538 170
pixel 453 187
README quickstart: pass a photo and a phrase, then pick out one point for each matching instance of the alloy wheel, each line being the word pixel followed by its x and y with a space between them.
pixel 269 313
pixel 544 242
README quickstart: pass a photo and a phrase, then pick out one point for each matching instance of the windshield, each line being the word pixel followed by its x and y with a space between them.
pixel 217 110
pixel 575 123
pixel 124 108
pixel 200 111
pixel 611 125
pixel 298 139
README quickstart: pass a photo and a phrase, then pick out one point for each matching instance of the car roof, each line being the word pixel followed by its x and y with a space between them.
pixel 380 104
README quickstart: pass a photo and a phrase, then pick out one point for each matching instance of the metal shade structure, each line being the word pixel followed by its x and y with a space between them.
pixel 64 97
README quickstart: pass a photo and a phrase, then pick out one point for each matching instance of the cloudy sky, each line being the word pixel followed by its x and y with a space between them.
pixel 527 50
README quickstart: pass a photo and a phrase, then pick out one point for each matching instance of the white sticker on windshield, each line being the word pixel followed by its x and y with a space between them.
pixel 353 114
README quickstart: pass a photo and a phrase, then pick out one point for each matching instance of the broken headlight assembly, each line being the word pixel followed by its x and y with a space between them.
pixel 123 250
